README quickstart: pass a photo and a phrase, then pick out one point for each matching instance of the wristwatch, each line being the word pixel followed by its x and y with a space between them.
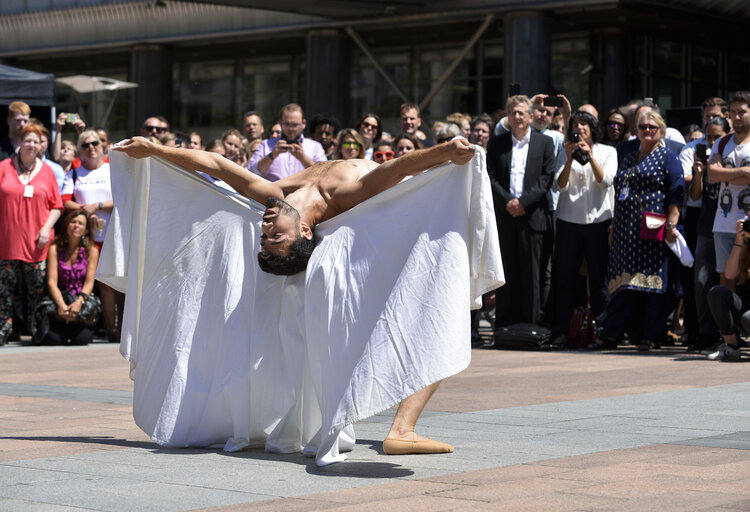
pixel 101 206
pixel 670 225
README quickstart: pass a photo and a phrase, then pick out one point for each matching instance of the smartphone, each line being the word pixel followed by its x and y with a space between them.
pixel 553 101
pixel 648 101
pixel 701 152
pixel 515 90
pixel 71 118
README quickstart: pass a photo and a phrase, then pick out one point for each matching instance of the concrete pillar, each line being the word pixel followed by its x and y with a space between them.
pixel 528 52
pixel 151 69
pixel 609 81
pixel 328 74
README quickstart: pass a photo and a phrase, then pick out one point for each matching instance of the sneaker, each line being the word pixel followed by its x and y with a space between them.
pixel 725 353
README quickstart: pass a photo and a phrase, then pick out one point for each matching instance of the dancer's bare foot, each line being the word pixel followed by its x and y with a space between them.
pixel 413 443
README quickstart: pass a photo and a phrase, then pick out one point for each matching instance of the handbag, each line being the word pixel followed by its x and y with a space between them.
pixel 652 226
pixel 46 309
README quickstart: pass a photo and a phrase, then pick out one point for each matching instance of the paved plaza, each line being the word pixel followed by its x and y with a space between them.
pixel 621 430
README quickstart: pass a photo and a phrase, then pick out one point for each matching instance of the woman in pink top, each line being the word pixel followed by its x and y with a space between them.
pixel 71 265
pixel 30 205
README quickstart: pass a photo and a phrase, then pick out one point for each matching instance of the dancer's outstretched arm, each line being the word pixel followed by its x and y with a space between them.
pixel 392 172
pixel 243 181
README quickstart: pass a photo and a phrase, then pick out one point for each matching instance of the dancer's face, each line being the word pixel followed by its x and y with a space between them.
pixel 280 227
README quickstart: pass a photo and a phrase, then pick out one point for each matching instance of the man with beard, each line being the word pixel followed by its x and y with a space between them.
pixel 18 118
pixel 297 203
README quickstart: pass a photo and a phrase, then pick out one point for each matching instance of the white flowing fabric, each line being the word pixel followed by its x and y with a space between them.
pixel 222 353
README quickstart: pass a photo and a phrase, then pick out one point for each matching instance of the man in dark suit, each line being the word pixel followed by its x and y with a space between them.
pixel 521 165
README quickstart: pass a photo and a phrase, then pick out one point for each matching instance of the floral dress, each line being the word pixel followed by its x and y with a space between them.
pixel 651 185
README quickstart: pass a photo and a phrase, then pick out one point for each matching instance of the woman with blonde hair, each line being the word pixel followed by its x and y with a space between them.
pixel 649 191
pixel 349 144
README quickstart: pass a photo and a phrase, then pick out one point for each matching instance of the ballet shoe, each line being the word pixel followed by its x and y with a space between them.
pixel 403 446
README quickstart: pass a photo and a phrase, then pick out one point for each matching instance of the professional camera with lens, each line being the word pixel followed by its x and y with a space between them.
pixel 746 225
pixel 578 155
pixel 291 141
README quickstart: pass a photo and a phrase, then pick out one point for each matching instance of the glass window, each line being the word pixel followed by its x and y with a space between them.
pixel 570 58
pixel 204 97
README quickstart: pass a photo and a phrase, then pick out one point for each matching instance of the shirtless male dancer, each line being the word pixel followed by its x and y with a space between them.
pixel 297 203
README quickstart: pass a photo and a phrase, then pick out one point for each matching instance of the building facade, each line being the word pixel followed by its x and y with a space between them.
pixel 202 64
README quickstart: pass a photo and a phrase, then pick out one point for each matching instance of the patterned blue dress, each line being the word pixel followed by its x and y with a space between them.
pixel 634 263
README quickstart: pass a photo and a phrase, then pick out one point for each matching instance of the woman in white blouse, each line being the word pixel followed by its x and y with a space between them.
pixel 585 172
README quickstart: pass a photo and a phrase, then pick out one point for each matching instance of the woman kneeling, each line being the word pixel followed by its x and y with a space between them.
pixel 71 265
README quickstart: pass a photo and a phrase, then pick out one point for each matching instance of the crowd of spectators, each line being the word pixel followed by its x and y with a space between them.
pixel 584 206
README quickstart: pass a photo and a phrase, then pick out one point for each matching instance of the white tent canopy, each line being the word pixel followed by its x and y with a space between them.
pixel 92 84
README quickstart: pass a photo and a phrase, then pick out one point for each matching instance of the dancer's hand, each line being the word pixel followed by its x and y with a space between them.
pixel 460 151
pixel 137 147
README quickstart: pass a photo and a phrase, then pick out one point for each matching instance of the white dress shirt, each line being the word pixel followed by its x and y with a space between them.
pixel 686 159
pixel 518 163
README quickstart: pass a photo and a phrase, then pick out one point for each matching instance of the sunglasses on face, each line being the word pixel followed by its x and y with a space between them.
pixel 647 127
pixel 370 126
pixel 157 129
pixel 350 145
pixel 615 124
pixel 383 155
pixel 86 145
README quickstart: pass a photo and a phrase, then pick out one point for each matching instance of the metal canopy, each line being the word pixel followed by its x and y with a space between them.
pixel 86 83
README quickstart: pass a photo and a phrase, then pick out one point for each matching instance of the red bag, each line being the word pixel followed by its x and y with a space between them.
pixel 582 330
pixel 652 226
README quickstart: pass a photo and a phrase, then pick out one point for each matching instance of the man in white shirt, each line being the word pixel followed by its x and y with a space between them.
pixel 521 165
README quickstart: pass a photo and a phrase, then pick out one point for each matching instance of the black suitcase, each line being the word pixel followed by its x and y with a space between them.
pixel 523 337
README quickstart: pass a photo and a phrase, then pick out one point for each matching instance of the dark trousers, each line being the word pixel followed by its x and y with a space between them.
pixel 61 333
pixel 521 249
pixel 728 310
pixel 690 313
pixel 574 243
pixel 704 278
pixel 638 312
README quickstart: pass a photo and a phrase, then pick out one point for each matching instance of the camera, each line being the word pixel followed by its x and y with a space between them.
pixel 71 118
pixel 578 155
pixel 701 153
pixel 553 101
pixel 290 141
pixel 746 225
pixel 515 90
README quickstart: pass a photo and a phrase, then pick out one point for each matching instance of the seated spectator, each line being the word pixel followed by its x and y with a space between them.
pixel 349 145
pixel 462 120
pixel 481 128
pixel 216 146
pixel 370 127
pixel 731 309
pixel 584 214
pixel 614 128
pixel 382 151
pixel 447 132
pixel 71 265
pixel 406 143
pixel 692 132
